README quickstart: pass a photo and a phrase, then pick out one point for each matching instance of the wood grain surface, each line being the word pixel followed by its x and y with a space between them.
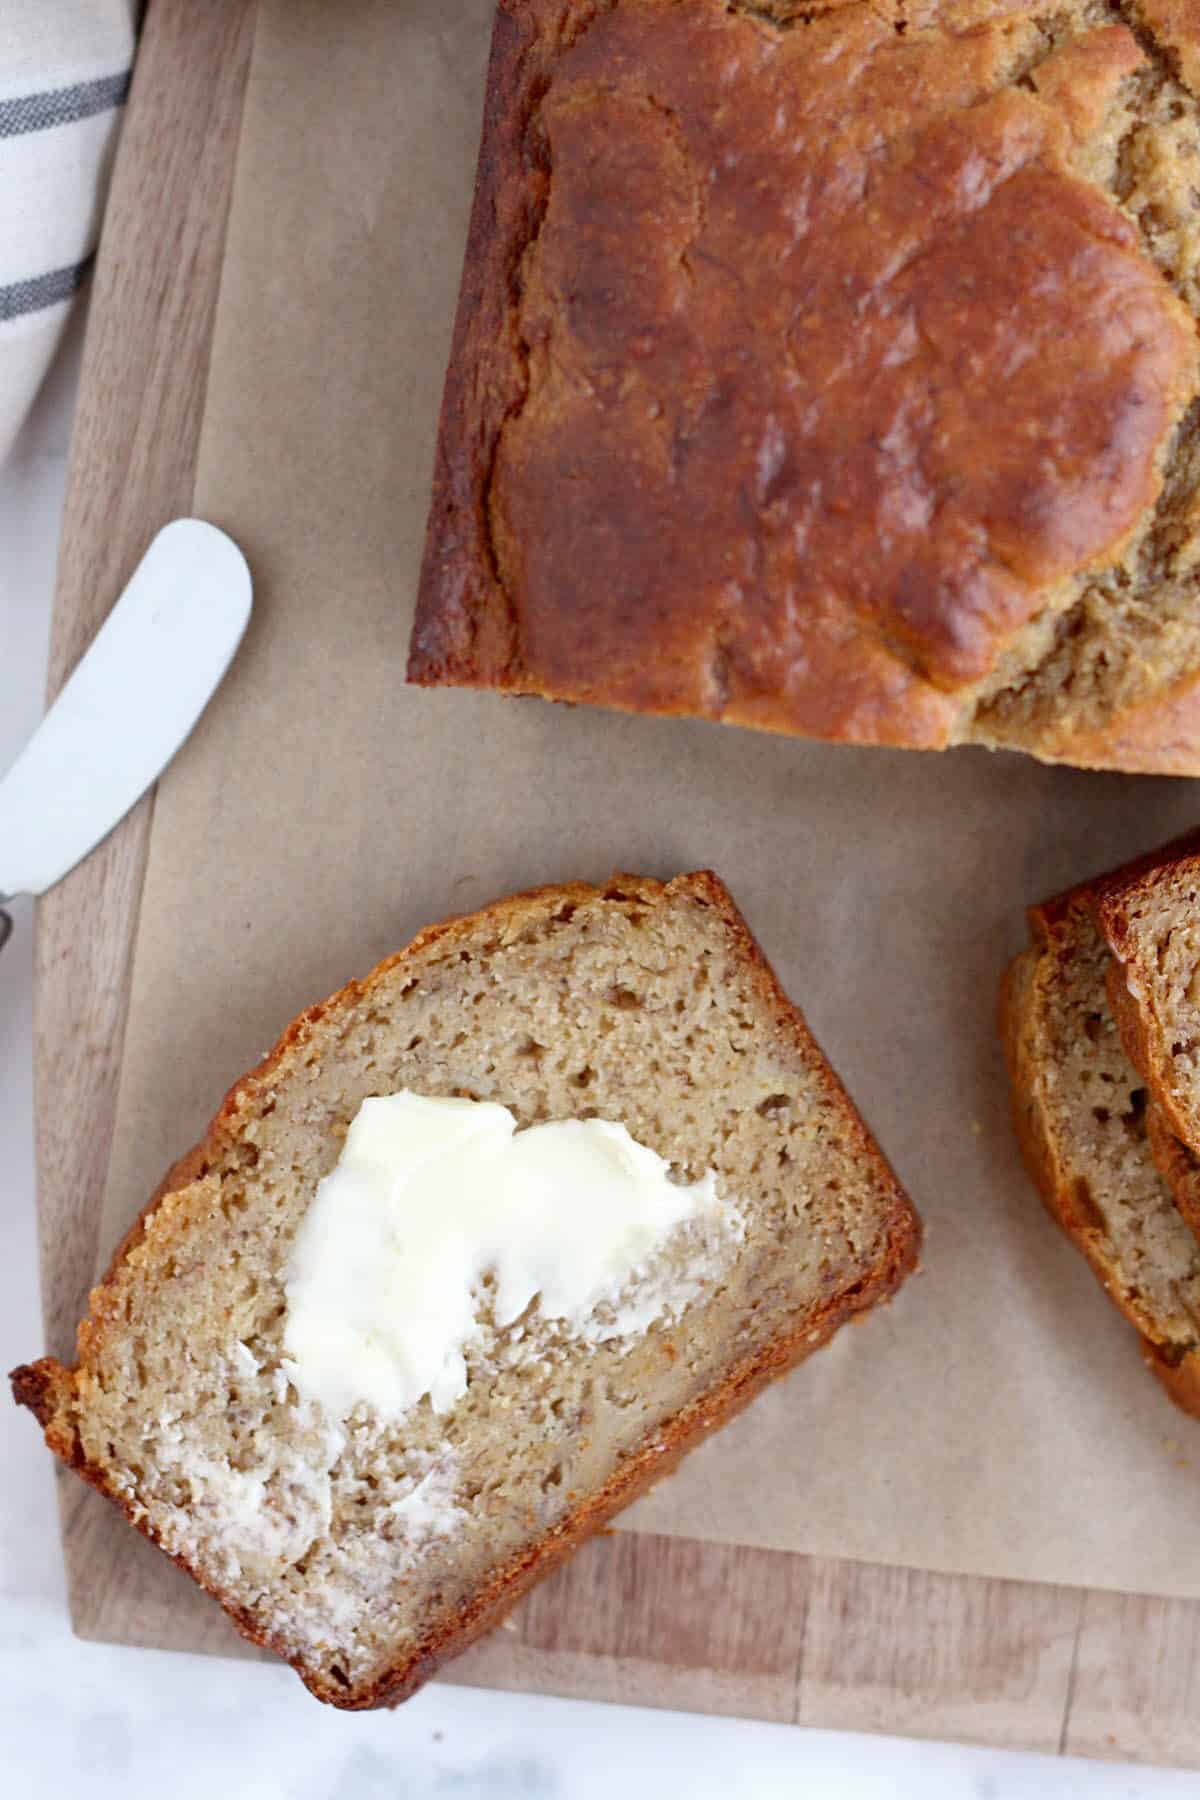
pixel 657 1620
pixel 133 458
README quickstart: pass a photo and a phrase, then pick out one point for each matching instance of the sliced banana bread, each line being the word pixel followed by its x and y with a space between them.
pixel 1082 1118
pixel 366 1550
pixel 1149 913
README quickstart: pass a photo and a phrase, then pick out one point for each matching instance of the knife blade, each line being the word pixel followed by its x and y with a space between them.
pixel 131 702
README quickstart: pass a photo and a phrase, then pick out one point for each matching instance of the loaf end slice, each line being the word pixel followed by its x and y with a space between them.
pixel 1149 913
pixel 1081 1115
pixel 368 1551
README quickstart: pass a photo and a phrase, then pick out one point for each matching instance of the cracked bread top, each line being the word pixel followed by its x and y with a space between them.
pixel 831 369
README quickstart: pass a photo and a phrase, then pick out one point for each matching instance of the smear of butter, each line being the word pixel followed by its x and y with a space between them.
pixel 430 1196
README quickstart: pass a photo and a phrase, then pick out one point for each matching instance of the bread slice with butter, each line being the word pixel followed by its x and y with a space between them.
pixel 363 1405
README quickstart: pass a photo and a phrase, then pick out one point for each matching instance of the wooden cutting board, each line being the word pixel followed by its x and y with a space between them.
pixel 636 1617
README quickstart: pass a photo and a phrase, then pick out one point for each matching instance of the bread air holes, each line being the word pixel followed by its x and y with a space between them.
pixel 625 1000
pixel 234 1203
pixel 774 1103
pixel 1085 1205
pixel 1134 1120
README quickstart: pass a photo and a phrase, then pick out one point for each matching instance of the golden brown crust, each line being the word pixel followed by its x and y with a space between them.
pixel 48 1388
pixel 1017 1034
pixel 1096 889
pixel 485 380
pixel 1067 1203
pixel 1176 1164
pixel 1159 736
pixel 38 1386
pixel 1181 1379
pixel 677 477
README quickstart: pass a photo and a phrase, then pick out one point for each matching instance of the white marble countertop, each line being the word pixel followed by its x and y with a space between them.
pixel 135 1723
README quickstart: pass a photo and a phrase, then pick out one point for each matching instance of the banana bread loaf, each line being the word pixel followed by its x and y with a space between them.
pixel 832 368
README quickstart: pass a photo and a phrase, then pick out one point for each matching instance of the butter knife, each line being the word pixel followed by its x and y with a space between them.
pixel 132 700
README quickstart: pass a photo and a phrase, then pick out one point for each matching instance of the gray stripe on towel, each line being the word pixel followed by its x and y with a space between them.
pixel 40 291
pixel 62 106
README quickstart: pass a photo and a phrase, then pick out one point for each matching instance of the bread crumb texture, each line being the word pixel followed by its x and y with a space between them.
pixel 832 368
pixel 366 1551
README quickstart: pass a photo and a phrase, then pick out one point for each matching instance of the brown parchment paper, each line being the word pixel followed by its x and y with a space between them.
pixel 996 1419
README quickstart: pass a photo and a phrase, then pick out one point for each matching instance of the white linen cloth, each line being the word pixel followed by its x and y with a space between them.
pixel 64 76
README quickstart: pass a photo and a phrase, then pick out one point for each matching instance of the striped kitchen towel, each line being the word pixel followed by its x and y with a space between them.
pixel 64 75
